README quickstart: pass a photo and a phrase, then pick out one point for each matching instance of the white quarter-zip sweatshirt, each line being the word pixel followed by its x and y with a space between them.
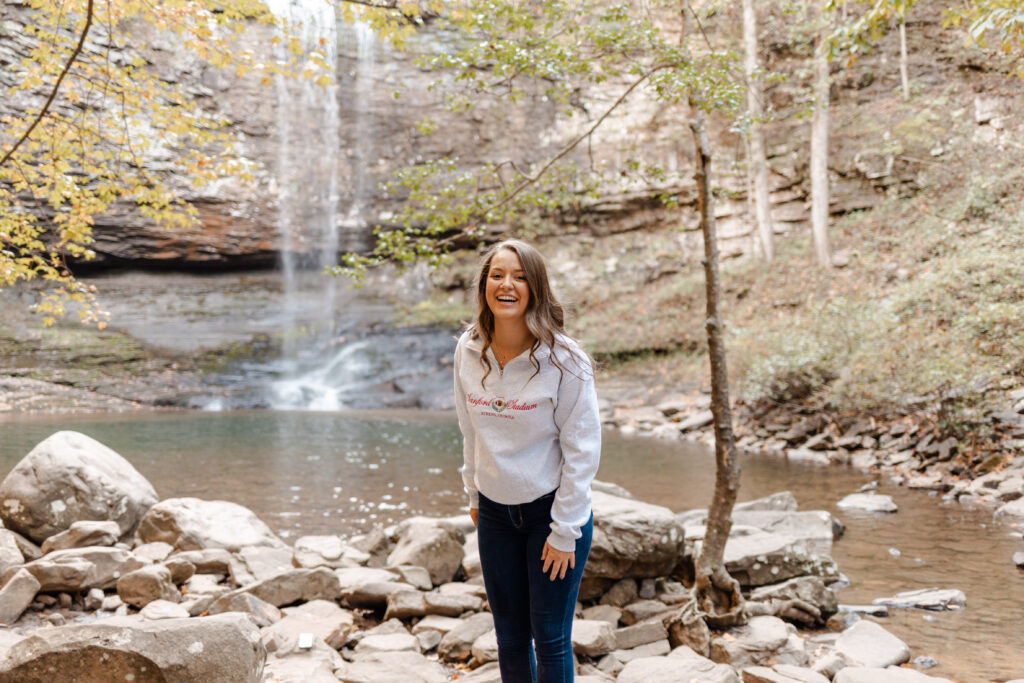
pixel 526 435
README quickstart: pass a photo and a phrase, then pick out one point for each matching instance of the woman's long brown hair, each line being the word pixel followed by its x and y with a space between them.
pixel 545 317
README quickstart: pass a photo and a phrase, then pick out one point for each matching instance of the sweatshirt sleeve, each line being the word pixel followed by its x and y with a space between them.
pixel 579 424
pixel 468 432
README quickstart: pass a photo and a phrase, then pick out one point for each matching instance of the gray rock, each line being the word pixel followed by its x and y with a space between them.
pixel 391 667
pixel 471 557
pixel 388 642
pixel 225 647
pixel 78 569
pixel 70 477
pixel 783 501
pixel 419 577
pixel 288 663
pixel 696 421
pixel 373 595
pixel 146 584
pixel 633 539
pixel 208 561
pixel 592 637
pixel 436 623
pixel 16 595
pixel 758 558
pixel 429 639
pixel 451 605
pixel 457 644
pixel 10 554
pixel 358 576
pixel 809 589
pixel 1013 510
pixel 892 674
pixel 93 599
pixel 298 585
pixel 323 618
pixel 1018 560
pixel 194 524
pixel 327 551
pixel 656 649
pixel 153 552
pixel 460 588
pixel 29 550
pixel 82 534
pixel 485 648
pixel 621 593
pixel 257 563
pixel 488 673
pixel 682 665
pixel 756 642
pixel 782 673
pixel 818 527
pixel 603 613
pixel 163 609
pixel 405 604
pixel 934 599
pixel 868 502
pixel 262 612
pixel 642 609
pixel 868 644
pixel 641 634
pixel 426 543
pixel 181 570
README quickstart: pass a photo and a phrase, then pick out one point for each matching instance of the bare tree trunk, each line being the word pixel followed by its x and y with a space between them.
pixel 758 164
pixel 718 594
pixel 819 150
pixel 904 71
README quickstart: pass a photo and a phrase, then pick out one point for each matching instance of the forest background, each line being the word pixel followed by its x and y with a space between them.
pixel 918 304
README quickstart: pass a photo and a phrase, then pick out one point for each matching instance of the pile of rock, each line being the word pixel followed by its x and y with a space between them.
pixel 186 589
pixel 911 452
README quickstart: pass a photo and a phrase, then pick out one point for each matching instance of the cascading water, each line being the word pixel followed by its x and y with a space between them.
pixel 321 369
pixel 307 186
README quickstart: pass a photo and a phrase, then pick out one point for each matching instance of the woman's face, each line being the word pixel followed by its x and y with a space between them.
pixel 507 293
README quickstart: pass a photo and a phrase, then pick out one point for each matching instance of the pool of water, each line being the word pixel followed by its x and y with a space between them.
pixel 341 472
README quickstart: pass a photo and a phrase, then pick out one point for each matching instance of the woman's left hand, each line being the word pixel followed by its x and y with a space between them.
pixel 558 561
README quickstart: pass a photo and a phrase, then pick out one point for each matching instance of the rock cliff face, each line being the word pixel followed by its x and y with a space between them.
pixel 382 94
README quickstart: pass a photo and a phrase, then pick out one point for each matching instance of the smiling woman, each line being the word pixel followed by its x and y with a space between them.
pixel 532 442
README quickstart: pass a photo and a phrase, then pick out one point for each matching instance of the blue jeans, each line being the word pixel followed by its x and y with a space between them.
pixel 526 604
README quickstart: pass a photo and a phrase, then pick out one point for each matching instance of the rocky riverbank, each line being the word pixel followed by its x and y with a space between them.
pixel 916 450
pixel 99 576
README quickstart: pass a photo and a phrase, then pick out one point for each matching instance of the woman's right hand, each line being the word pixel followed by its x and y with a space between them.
pixel 472 515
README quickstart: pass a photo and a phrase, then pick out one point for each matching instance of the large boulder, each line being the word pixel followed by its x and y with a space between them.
pixel 632 539
pixel 194 524
pixel 70 477
pixel 868 644
pixel 759 558
pixel 429 544
pixel 225 647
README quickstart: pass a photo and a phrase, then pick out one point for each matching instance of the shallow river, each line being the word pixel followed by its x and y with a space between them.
pixel 313 473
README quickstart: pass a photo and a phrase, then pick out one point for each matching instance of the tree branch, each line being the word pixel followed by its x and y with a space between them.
pixel 56 86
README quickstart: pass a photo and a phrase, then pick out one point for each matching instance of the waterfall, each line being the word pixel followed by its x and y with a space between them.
pixel 307 176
